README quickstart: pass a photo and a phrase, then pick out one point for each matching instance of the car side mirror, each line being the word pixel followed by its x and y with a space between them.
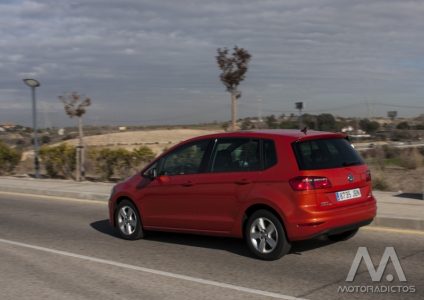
pixel 164 179
pixel 151 173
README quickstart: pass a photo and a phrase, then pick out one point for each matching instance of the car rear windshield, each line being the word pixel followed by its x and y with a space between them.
pixel 326 154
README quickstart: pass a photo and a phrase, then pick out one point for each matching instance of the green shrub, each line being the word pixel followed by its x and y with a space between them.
pixel 369 126
pixel 106 161
pixel 391 152
pixel 246 124
pixel 119 162
pixel 410 159
pixel 9 159
pixel 143 154
pixel 403 125
pixel 59 161
pixel 289 125
pixel 376 157
pixel 401 135
pixel 378 183
pixel 45 139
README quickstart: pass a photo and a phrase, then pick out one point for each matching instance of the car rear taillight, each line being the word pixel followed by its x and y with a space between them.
pixel 305 183
pixel 368 175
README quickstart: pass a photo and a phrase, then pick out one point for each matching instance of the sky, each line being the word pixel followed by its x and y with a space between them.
pixel 153 62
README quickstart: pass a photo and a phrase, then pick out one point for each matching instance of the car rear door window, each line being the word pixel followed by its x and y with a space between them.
pixel 326 154
pixel 269 154
pixel 236 155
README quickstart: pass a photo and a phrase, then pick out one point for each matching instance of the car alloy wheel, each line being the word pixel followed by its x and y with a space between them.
pixel 263 235
pixel 127 221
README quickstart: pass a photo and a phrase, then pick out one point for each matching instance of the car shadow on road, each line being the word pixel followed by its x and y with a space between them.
pixel 232 245
pixel 236 246
pixel 304 246
pixel 414 196
pixel 104 227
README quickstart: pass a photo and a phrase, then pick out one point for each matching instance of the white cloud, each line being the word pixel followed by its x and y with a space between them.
pixel 138 58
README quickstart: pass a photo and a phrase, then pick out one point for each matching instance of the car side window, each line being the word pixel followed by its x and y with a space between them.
pixel 269 153
pixel 236 155
pixel 185 160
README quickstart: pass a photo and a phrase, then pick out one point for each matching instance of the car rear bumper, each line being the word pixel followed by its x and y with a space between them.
pixel 315 223
pixel 342 229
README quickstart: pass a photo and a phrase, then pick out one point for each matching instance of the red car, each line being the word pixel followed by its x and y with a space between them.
pixel 270 187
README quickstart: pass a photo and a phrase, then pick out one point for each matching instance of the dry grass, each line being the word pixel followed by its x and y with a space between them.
pixel 398 179
pixel 157 140
pixel 411 159
pixel 397 170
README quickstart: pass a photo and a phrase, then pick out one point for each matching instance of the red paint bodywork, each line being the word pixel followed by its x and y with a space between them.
pixel 216 203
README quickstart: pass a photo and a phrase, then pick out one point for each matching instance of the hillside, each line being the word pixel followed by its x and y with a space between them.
pixel 157 140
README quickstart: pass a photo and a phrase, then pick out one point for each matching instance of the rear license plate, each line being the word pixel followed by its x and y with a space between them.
pixel 347 195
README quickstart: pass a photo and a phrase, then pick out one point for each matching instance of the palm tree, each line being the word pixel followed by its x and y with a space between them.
pixel 76 106
pixel 234 67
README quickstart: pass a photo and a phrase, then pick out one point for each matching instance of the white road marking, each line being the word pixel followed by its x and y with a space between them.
pixel 153 271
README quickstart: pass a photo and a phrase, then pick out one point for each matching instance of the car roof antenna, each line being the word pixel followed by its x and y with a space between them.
pixel 304 130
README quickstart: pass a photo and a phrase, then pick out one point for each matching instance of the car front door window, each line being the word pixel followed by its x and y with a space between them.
pixel 185 160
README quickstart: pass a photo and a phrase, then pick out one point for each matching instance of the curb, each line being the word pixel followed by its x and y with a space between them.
pixel 58 193
pixel 400 223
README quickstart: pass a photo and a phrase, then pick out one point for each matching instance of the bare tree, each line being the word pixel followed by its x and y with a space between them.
pixel 76 106
pixel 234 67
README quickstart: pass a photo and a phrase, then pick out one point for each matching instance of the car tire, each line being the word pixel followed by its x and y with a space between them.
pixel 265 236
pixel 344 236
pixel 128 221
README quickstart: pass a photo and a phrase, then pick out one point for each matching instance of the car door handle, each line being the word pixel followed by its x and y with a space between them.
pixel 243 181
pixel 187 183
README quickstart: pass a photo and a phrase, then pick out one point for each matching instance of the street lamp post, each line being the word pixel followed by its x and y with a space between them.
pixel 299 107
pixel 32 83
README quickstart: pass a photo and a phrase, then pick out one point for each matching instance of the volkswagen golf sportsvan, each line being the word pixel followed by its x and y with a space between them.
pixel 270 187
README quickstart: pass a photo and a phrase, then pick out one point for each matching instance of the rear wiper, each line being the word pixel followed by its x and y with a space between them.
pixel 350 163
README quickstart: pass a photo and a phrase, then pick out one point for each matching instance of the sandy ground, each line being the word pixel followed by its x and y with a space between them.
pixel 157 140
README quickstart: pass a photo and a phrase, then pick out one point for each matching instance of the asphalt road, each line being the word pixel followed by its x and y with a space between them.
pixel 56 248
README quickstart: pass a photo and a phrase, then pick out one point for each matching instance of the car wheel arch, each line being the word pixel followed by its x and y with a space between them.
pixel 258 206
pixel 123 198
